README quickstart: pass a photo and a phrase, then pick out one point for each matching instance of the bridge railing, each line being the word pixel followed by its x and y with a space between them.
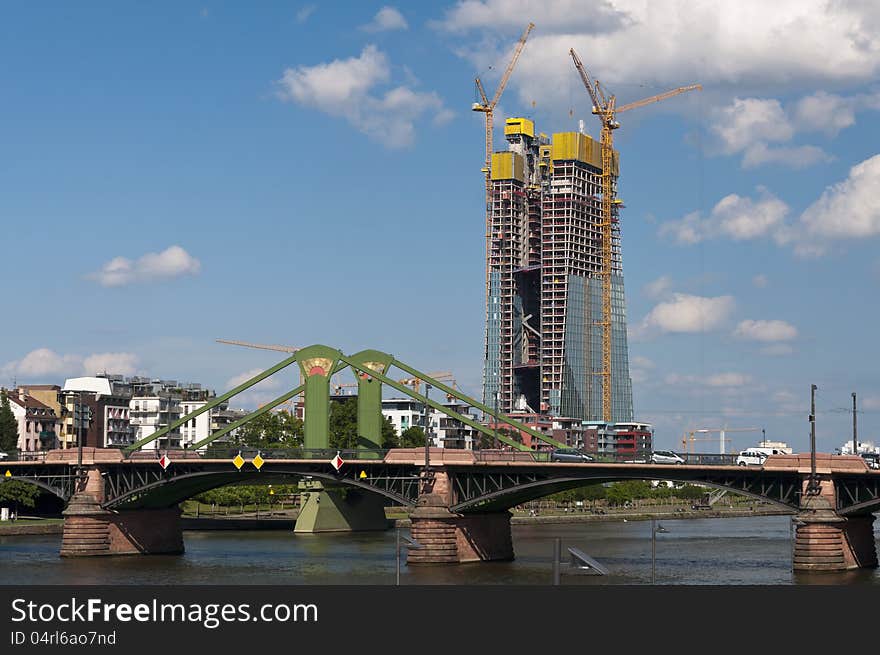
pixel 496 455
pixel 25 456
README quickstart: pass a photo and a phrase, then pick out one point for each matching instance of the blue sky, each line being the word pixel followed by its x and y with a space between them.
pixel 301 173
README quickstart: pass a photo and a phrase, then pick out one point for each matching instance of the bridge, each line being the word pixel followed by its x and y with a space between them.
pixel 126 501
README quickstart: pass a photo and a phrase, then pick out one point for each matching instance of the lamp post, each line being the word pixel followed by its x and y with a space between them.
pixel 655 530
pixel 427 429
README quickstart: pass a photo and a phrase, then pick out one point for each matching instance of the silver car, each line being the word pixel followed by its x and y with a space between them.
pixel 666 457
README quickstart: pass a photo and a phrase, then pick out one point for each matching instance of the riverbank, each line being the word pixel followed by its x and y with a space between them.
pixel 25 526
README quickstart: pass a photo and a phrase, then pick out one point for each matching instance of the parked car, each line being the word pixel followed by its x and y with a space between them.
pixel 666 457
pixel 569 455
pixel 3 455
pixel 872 460
pixel 751 457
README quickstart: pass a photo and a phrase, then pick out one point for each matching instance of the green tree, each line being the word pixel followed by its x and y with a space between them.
pixel 18 493
pixel 272 430
pixel 389 434
pixel 343 423
pixel 412 437
pixel 8 426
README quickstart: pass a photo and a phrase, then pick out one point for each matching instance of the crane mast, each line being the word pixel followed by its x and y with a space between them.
pixel 605 108
pixel 487 107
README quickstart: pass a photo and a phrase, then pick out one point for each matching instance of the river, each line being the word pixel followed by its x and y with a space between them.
pixel 730 551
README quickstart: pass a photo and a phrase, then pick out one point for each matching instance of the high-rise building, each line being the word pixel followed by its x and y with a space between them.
pixel 544 310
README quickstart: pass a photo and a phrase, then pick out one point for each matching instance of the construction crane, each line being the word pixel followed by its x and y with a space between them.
pixel 606 109
pixel 264 346
pixel 689 439
pixel 488 108
pixel 337 388
pixel 416 383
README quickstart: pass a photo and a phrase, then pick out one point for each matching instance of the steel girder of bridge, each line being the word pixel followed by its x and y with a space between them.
pixel 318 363
pixel 57 480
pixel 497 488
pixel 857 494
pixel 141 485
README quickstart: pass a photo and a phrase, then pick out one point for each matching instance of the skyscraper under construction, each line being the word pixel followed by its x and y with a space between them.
pixel 544 302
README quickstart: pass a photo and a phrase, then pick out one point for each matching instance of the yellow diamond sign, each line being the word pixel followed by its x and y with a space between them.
pixel 258 462
pixel 238 461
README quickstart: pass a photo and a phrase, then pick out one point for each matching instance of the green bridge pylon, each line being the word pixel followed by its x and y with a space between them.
pixel 369 410
pixel 317 363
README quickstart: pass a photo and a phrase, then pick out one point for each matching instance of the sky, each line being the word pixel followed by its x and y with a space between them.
pixel 296 173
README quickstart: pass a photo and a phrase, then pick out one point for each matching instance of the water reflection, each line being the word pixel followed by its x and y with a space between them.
pixel 753 550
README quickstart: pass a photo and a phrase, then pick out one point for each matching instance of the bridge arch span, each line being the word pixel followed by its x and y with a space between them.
pixel 55 489
pixel 511 492
pixel 169 492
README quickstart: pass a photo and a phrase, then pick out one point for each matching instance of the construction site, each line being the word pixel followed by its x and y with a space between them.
pixel 556 338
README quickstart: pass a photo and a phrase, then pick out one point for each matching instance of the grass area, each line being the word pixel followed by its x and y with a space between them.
pixel 32 520
pixel 191 508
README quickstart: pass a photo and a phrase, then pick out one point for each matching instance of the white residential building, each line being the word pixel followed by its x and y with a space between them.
pixel 446 431
pixel 150 413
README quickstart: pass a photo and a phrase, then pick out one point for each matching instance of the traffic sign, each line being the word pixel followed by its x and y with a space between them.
pixel 238 461
pixel 363 475
pixel 337 462
pixel 258 462
pixel 8 473
pixel 165 462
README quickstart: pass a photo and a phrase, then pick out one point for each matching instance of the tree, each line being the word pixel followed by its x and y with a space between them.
pixel 343 424
pixel 389 434
pixel 8 426
pixel 412 437
pixel 16 492
pixel 272 430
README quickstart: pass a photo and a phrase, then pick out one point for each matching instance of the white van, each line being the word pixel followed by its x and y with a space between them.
pixel 752 457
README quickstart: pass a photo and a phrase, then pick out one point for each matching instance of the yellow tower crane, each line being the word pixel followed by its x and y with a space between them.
pixel 416 383
pixel 488 107
pixel 606 109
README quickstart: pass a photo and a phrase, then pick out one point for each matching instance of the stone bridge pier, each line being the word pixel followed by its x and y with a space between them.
pixel 449 538
pixel 825 540
pixel 90 530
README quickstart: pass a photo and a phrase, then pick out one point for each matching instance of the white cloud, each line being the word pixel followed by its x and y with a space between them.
pixel 748 120
pixel 773 330
pixel 260 393
pixel 121 363
pixel 657 288
pixel 44 363
pixel 748 126
pixel 386 19
pixel 736 217
pixel 304 13
pixel 687 314
pixel 777 350
pixel 272 382
pixel 749 43
pixel 639 370
pixel 830 113
pixel 760 281
pixel 848 209
pixel 346 88
pixel 793 157
pixel 728 380
pixel 170 263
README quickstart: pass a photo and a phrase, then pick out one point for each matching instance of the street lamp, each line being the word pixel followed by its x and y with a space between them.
pixel 412 543
pixel 655 530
